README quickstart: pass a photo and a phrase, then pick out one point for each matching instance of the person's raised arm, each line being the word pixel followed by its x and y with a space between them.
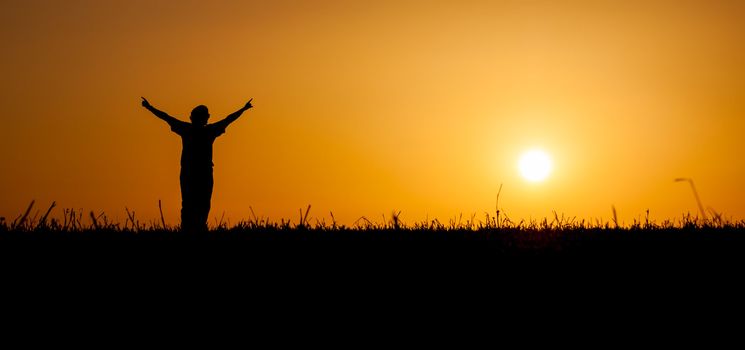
pixel 160 114
pixel 233 117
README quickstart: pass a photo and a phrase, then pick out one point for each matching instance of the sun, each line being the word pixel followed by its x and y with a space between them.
pixel 535 165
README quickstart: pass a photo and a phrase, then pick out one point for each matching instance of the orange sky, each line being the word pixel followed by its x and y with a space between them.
pixel 363 108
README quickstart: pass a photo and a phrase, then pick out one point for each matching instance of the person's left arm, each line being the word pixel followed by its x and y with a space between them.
pixel 234 116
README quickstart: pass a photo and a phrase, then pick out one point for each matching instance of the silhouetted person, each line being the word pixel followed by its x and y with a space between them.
pixel 196 161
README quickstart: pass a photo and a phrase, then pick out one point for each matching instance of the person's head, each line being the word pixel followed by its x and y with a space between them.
pixel 199 115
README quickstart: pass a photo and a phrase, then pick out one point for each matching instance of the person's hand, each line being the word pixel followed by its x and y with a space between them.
pixel 248 104
pixel 146 104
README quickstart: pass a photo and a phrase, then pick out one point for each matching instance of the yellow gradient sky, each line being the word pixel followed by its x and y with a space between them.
pixel 366 107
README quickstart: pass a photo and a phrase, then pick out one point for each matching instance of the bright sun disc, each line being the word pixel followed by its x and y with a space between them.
pixel 535 165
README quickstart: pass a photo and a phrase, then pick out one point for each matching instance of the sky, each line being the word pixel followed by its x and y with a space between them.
pixel 364 108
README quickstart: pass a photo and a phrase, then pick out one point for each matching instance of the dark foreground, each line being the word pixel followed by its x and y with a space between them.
pixel 390 243
pixel 384 270
pixel 386 265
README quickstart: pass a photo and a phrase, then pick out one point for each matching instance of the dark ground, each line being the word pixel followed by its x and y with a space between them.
pixel 356 244
pixel 528 274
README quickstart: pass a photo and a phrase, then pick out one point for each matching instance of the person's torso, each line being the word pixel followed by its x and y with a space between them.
pixel 197 147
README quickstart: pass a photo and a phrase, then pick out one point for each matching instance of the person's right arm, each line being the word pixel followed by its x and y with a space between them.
pixel 158 113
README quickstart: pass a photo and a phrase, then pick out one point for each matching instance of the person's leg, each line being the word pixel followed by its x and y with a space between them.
pixel 206 183
pixel 196 195
pixel 187 200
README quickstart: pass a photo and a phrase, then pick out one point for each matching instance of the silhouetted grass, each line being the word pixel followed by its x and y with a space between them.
pixel 559 235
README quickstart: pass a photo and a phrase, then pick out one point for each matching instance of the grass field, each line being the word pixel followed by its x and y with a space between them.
pixel 490 235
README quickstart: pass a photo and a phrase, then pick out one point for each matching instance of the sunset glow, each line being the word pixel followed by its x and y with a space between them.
pixel 535 165
pixel 364 108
